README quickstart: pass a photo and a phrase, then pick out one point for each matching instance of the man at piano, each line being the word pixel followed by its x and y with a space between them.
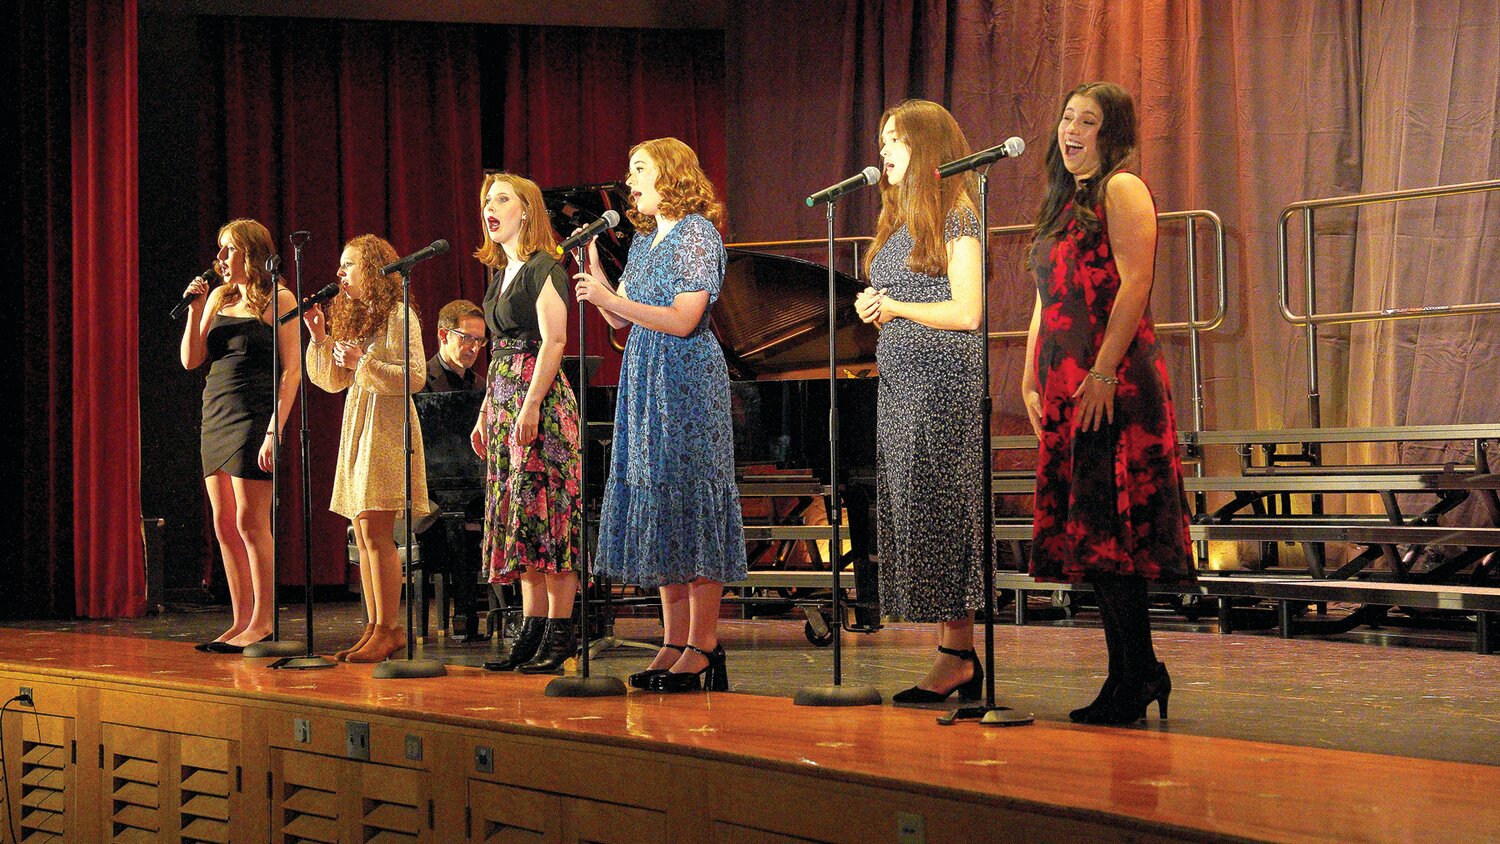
pixel 460 335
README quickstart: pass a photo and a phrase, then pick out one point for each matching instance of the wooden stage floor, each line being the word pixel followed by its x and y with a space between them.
pixel 728 766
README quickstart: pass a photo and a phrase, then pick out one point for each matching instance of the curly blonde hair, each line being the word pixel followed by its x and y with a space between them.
pixel 536 231
pixel 253 240
pixel 684 187
pixel 357 320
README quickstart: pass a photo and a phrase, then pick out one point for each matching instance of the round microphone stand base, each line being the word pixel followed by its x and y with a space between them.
pixel 579 686
pixel 988 716
pixel 261 650
pixel 839 695
pixel 303 663
pixel 409 669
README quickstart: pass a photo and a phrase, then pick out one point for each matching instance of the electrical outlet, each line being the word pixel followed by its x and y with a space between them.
pixel 301 730
pixel 484 759
pixel 25 692
pixel 357 745
pixel 414 748
pixel 911 828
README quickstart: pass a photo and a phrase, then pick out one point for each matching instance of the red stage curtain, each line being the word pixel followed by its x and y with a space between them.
pixel 40 582
pixel 576 100
pixel 342 128
pixel 109 557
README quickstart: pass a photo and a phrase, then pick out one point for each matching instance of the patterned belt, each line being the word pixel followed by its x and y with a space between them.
pixel 507 346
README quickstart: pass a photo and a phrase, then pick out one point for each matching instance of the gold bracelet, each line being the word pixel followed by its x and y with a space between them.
pixel 1113 382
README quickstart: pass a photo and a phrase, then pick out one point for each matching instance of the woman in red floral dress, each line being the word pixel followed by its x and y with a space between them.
pixel 1110 507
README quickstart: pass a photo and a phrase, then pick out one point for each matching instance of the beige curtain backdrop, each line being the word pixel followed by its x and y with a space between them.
pixel 1245 107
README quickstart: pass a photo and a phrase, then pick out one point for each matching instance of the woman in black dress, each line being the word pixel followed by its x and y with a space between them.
pixel 1110 507
pixel 231 328
pixel 925 296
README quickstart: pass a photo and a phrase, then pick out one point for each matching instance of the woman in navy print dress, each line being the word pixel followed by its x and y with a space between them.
pixel 671 511
pixel 925 296
pixel 1110 507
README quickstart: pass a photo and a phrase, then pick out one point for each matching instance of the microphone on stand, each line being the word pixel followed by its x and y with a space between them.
pixel 181 308
pixel 1011 148
pixel 327 292
pixel 437 248
pixel 608 220
pixel 866 177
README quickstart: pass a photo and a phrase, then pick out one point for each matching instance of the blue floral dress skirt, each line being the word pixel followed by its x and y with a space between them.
pixel 671 510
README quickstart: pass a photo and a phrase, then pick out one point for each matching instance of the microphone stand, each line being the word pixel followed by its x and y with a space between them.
pixel 308 659
pixel 410 667
pixel 583 685
pixel 988 714
pixel 275 647
pixel 836 694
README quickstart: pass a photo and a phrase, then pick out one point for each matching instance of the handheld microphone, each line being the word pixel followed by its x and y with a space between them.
pixel 181 308
pixel 437 248
pixel 608 220
pixel 325 293
pixel 866 177
pixel 1011 148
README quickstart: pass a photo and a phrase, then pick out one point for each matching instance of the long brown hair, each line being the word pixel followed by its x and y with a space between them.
pixel 536 229
pixel 253 241
pixel 1117 150
pixel 922 201
pixel 684 187
pixel 358 319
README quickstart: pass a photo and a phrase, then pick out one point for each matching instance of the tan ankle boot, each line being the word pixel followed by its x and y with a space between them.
pixel 384 642
pixel 364 637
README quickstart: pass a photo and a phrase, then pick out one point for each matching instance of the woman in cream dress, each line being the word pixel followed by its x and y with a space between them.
pixel 359 348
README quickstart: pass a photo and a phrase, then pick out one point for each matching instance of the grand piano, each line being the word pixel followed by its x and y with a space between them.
pixel 771 319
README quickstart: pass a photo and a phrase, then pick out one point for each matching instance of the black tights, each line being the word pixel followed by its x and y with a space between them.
pixel 1127 625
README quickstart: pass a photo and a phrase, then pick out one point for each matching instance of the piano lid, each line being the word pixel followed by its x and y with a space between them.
pixel 771 317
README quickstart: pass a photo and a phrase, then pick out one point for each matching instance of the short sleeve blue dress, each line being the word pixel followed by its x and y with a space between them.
pixel 671 511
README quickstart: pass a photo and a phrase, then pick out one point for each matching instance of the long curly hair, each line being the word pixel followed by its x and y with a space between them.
pixel 357 320
pixel 253 241
pixel 1117 151
pixel 536 231
pixel 922 200
pixel 684 187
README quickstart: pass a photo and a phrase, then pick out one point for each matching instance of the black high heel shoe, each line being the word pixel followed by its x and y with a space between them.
pixel 970 689
pixel 528 640
pixel 714 676
pixel 1131 700
pixel 1082 714
pixel 642 679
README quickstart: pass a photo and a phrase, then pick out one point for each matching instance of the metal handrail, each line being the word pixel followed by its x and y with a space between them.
pixel 1310 321
pixel 1221 298
pixel 1308 206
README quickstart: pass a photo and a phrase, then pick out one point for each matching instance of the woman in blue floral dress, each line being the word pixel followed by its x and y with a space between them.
pixel 671 511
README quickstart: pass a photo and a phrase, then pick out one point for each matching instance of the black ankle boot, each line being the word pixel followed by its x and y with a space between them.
pixel 1133 696
pixel 559 641
pixel 524 647
pixel 970 689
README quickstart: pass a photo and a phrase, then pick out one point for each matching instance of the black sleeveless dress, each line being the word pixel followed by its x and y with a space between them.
pixel 238 397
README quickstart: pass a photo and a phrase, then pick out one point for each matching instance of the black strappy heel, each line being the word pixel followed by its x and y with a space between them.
pixel 970 689
pixel 642 679
pixel 714 676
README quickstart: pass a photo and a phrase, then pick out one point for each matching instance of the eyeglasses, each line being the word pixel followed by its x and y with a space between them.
pixel 467 340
